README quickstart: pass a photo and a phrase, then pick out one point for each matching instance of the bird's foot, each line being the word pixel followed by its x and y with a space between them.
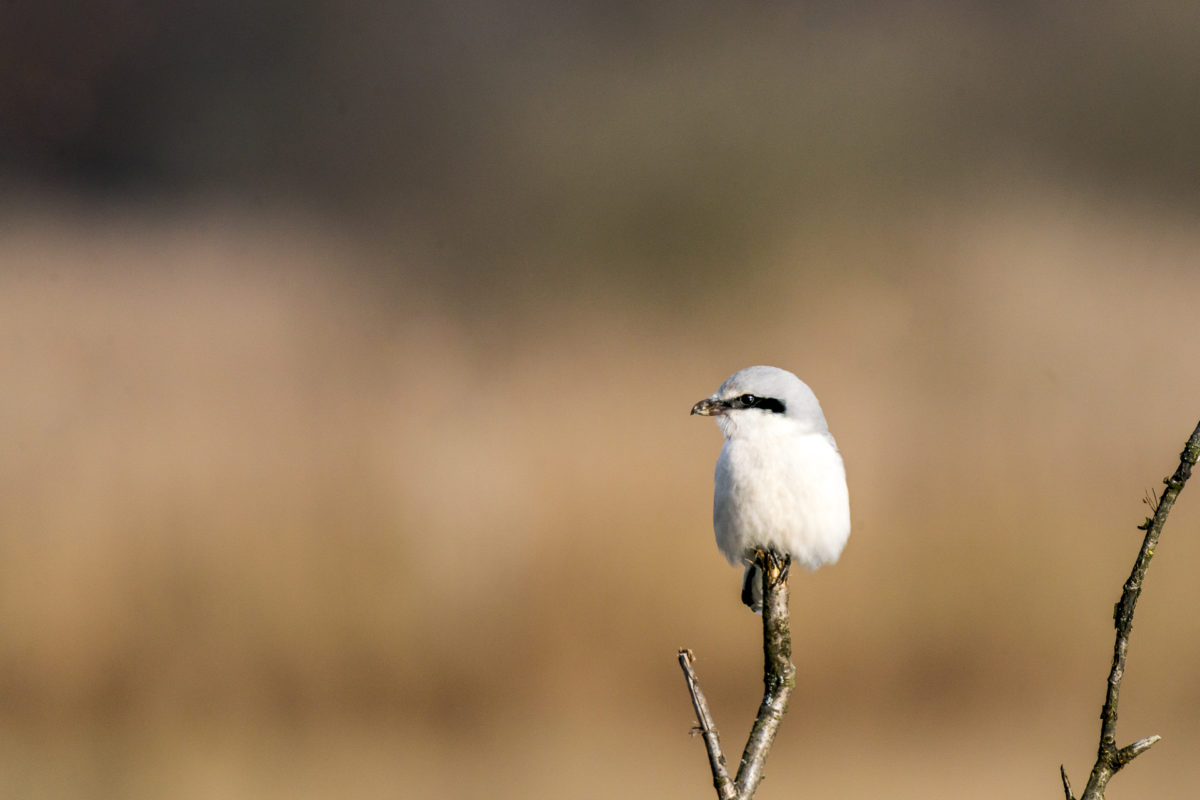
pixel 776 566
pixel 787 566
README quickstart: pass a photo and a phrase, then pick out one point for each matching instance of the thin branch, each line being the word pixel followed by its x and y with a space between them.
pixel 779 678
pixel 1109 758
pixel 779 674
pixel 1066 783
pixel 706 728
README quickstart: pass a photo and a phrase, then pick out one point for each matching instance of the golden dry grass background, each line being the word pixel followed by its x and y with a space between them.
pixel 274 531
pixel 346 353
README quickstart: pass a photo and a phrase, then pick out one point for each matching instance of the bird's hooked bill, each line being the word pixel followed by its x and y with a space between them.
pixel 710 407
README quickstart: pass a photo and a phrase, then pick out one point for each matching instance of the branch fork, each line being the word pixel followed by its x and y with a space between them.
pixel 779 678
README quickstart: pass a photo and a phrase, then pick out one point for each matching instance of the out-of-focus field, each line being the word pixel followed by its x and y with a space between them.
pixel 346 351
pixel 269 530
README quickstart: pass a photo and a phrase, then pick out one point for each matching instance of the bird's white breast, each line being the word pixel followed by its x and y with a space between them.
pixel 786 493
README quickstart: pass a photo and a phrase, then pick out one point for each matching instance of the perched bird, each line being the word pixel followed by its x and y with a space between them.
pixel 780 482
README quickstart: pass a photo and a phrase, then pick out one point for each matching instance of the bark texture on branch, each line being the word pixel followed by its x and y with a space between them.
pixel 1110 758
pixel 779 678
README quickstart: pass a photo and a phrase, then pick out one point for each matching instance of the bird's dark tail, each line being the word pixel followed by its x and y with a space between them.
pixel 752 587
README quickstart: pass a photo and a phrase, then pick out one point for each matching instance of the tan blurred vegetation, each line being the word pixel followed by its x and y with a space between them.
pixel 271 533
pixel 347 353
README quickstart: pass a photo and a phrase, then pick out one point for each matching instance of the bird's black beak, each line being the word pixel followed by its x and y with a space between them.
pixel 710 407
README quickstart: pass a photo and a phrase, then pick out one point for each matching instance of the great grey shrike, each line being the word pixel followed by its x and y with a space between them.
pixel 780 484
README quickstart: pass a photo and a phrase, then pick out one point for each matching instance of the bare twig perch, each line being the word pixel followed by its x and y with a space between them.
pixel 712 742
pixel 779 678
pixel 1110 759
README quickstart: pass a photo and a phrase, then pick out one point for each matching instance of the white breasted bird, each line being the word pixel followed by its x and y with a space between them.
pixel 780 482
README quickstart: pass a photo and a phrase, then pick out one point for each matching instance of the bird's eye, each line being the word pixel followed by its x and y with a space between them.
pixel 748 399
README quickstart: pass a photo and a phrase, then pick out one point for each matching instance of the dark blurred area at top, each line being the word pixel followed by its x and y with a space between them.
pixel 641 133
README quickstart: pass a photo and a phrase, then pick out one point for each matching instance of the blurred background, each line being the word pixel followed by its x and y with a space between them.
pixel 347 350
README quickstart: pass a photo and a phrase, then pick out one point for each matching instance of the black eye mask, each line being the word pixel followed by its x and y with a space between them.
pixel 754 401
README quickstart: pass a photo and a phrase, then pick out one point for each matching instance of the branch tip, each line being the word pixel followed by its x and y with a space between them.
pixel 1066 782
pixel 1130 752
pixel 706 728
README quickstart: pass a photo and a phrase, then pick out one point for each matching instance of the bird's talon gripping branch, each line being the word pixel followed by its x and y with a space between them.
pixel 785 568
pixel 775 565
pixel 772 567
